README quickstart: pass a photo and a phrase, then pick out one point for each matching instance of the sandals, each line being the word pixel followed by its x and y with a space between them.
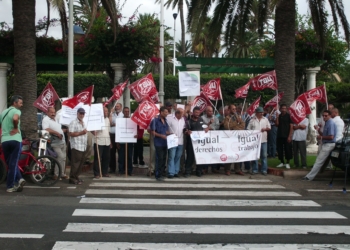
pixel 105 175
pixel 79 182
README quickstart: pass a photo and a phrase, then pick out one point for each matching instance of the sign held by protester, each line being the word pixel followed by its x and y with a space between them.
pixel 127 129
pixel 227 146
pixel 189 83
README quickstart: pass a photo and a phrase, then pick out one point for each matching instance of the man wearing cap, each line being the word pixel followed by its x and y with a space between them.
pixel 78 141
pixel 261 123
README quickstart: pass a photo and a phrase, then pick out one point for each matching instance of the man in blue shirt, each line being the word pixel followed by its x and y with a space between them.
pixel 328 137
pixel 160 129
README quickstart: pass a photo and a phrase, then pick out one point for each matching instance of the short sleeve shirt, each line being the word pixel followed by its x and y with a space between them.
pixel 161 128
pixel 78 142
pixel 6 121
pixel 301 134
pixel 52 124
pixel 284 126
pixel 330 129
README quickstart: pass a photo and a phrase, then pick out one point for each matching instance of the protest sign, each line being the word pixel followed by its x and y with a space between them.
pixel 127 129
pixel 172 141
pixel 225 146
pixel 189 83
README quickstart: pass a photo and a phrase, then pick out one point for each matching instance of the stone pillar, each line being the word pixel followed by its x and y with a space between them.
pixel 192 67
pixel 118 78
pixel 3 85
pixel 311 83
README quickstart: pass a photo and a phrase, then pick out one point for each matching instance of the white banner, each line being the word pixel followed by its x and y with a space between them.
pixel 126 130
pixel 225 146
pixel 189 83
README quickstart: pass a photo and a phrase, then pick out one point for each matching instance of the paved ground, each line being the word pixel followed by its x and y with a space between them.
pixel 212 212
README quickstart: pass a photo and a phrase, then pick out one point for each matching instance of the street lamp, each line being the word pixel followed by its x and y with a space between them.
pixel 174 59
pixel 73 34
pixel 161 52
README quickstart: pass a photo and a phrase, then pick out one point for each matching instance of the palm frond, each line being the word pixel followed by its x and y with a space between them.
pixel 111 8
pixel 340 10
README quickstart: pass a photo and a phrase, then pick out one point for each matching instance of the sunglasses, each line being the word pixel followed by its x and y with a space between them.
pixel 81 113
pixel 324 115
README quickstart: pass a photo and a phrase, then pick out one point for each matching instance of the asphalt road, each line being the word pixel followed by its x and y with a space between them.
pixel 212 212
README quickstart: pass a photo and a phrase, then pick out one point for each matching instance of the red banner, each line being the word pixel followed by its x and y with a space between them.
pixel 46 99
pixel 144 113
pixel 84 96
pixel 212 89
pixel 299 109
pixel 318 94
pixel 267 80
pixel 143 87
pixel 274 101
pixel 253 106
pixel 242 92
pixel 119 89
pixel 201 101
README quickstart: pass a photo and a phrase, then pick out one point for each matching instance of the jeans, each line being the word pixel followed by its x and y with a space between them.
pixel 138 152
pixel 299 146
pixel 12 151
pixel 121 158
pixel 61 158
pixel 104 152
pixel 174 156
pixel 322 157
pixel 271 141
pixel 161 153
pixel 263 158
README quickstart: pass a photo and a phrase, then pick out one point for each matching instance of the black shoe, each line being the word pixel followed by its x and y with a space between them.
pixel 305 179
pixel 170 176
pixel 159 179
pixel 199 174
pixel 176 176
pixel 187 175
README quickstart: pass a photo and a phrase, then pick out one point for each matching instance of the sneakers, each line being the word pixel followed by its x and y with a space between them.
pixel 305 179
pixel 280 165
pixel 264 173
pixel 287 166
pixel 143 166
pixel 21 184
pixel 135 165
pixel 13 189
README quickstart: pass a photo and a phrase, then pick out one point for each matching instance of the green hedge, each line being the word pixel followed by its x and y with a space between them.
pixel 103 85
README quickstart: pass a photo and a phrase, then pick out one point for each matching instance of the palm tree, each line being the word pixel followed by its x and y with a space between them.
pixel 179 48
pixel 24 33
pixel 243 46
pixel 234 14
pixel 179 4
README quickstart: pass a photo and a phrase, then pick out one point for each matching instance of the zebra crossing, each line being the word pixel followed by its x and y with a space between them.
pixel 209 213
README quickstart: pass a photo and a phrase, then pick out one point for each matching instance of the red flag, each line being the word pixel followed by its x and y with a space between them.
pixel 201 101
pixel 318 94
pixel 143 87
pixel 253 106
pixel 266 80
pixel 145 112
pixel 274 101
pixel 242 92
pixel 299 109
pixel 84 96
pixel 212 89
pixel 46 99
pixel 119 89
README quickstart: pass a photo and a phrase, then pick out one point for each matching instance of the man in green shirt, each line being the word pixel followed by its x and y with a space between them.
pixel 11 140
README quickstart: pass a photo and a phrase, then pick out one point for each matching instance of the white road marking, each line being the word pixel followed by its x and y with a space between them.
pixel 199 202
pixel 190 193
pixel 207 214
pixel 23 236
pixel 205 229
pixel 76 245
pixel 185 185
pixel 325 190
pixel 41 187
pixel 71 187
pixel 196 179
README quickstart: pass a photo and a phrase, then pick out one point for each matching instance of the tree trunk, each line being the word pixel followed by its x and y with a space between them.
pixel 285 49
pixel 183 28
pixel 25 83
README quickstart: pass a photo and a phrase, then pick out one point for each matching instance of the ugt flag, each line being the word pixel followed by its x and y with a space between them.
pixel 299 109
pixel 318 94
pixel 46 99
pixel 274 101
pixel 242 92
pixel 117 92
pixel 145 112
pixel 212 89
pixel 143 87
pixel 267 80
pixel 84 96
pixel 201 101
pixel 253 106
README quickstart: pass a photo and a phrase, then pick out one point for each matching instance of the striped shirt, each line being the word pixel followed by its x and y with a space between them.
pixel 79 142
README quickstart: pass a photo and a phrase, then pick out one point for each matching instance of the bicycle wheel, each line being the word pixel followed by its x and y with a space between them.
pixel 3 171
pixel 44 171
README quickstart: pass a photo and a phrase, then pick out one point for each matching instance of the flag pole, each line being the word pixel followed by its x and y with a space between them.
pixel 243 105
pixel 324 84
pixel 98 154
pixel 222 99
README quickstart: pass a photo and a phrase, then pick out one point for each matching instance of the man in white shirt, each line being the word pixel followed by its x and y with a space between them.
pixel 261 123
pixel 112 119
pixel 78 141
pixel 299 142
pixel 102 144
pixel 58 143
pixel 176 125
pixel 339 123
